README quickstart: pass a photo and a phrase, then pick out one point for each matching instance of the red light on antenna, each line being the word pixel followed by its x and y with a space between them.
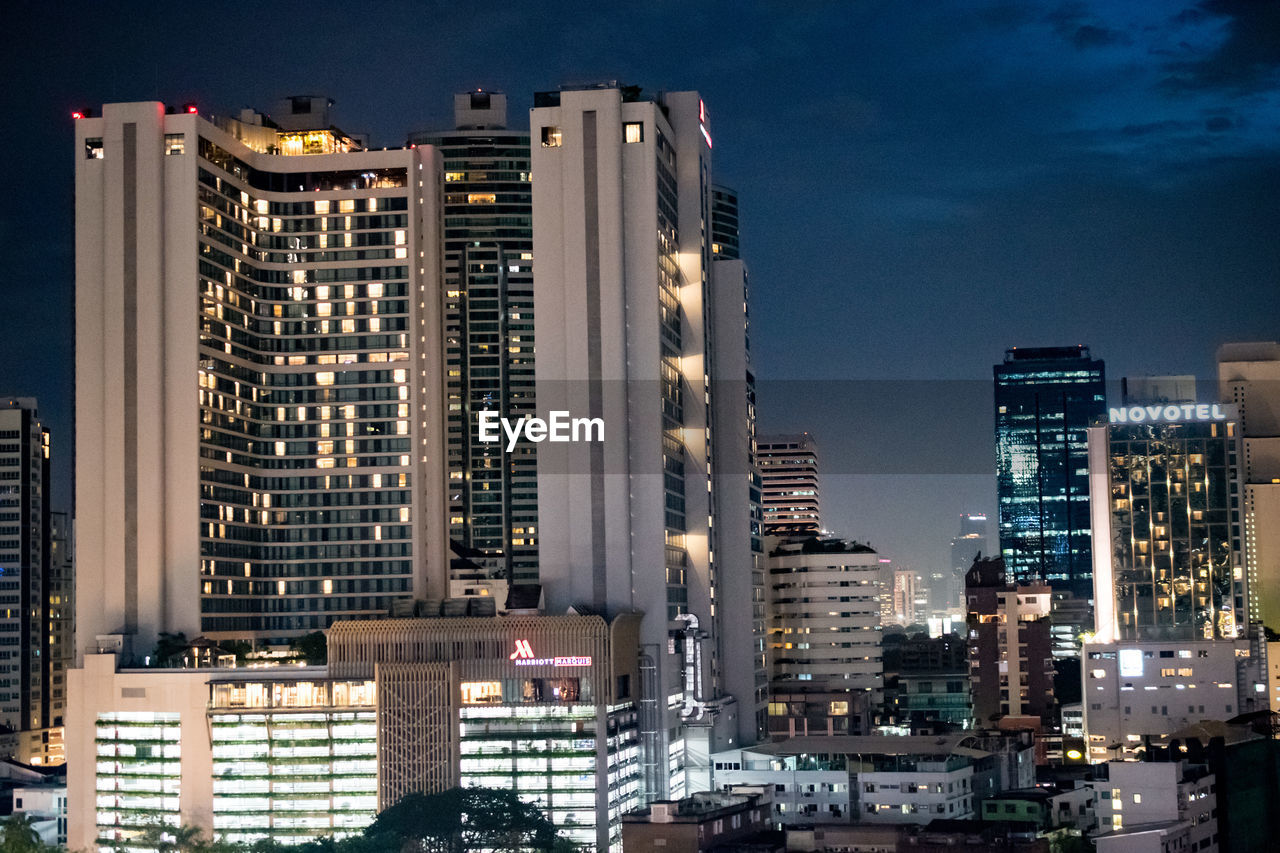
pixel 191 108
pixel 77 115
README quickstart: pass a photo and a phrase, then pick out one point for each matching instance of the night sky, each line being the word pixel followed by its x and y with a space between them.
pixel 923 185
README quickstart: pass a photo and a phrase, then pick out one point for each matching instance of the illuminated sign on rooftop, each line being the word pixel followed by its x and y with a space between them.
pixel 1170 413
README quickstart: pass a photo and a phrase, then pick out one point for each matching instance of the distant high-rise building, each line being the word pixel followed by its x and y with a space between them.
pixel 24 563
pixel 488 332
pixel 824 617
pixel 789 472
pixel 1170 601
pixel 972 541
pixel 908 596
pixel 627 304
pixel 1010 645
pixel 1249 378
pixel 1045 398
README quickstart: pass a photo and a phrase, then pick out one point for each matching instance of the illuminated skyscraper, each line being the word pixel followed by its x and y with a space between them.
pixel 24 562
pixel 1172 642
pixel 1045 399
pixel 488 317
pixel 258 377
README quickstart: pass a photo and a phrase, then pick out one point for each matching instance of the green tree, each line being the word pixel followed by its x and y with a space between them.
pixel 18 835
pixel 463 819
pixel 178 839
pixel 168 646
pixel 312 648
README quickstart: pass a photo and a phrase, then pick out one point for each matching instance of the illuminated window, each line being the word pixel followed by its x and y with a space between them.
pixel 325 378
pixel 477 692
pixel 481 198
pixel 633 131
pixel 175 143
pixel 93 148
pixel 551 137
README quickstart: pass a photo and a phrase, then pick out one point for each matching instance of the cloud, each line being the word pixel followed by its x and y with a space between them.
pixel 1089 35
pixel 1167 126
pixel 1247 59
pixel 1073 23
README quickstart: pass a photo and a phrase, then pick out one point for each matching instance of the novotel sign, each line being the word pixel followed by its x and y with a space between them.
pixel 524 656
pixel 1173 412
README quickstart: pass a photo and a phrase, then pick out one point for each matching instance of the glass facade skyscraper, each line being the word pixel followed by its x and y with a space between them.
pixel 488 317
pixel 1175 530
pixel 1045 399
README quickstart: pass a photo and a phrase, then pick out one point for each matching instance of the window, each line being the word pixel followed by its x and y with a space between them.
pixel 175 143
pixel 93 148
pixel 633 131
pixel 551 137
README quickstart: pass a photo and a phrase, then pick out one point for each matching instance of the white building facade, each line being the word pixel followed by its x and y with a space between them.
pixel 1146 805
pixel 1249 379
pixel 257 348
pixel 626 329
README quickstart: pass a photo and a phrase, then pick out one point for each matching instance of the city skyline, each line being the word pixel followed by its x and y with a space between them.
pixel 1087 156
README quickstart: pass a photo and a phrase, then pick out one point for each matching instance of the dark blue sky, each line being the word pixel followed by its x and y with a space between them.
pixel 923 185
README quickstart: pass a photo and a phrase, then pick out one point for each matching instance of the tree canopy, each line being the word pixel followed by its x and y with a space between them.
pixel 459 820
pixel 463 819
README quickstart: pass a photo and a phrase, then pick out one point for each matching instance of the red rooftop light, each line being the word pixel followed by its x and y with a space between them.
pixel 191 108
pixel 77 115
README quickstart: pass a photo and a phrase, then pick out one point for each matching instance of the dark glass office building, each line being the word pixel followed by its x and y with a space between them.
pixel 1045 399
pixel 488 317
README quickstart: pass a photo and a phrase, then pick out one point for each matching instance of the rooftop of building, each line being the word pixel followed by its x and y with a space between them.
pixel 976 830
pixel 1249 351
pixel 793 440
pixel 941 745
pixel 819 545
pixel 1037 795
pixel 1139 828
pixel 695 808
pixel 1016 354
pixel 629 93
